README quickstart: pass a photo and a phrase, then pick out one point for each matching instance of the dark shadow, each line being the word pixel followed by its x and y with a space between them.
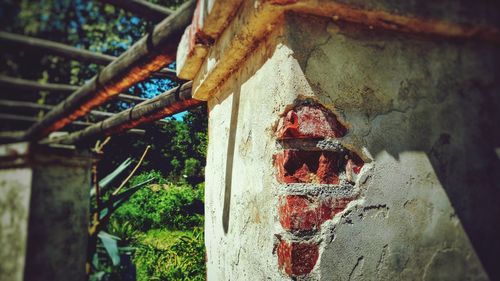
pixel 229 160
pixel 455 120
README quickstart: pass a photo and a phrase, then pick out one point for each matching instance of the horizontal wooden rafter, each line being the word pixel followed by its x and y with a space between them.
pixel 10 39
pixel 55 48
pixel 143 9
pixel 171 102
pixel 28 85
pixel 148 55
pixel 36 106
pixel 31 119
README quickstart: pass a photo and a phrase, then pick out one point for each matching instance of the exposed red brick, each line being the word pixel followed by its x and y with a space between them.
pixel 353 166
pixel 297 258
pixel 297 166
pixel 309 121
pixel 306 213
pixel 298 213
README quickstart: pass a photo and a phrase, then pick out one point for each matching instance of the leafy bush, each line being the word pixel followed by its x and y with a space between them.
pixel 162 205
pixel 180 255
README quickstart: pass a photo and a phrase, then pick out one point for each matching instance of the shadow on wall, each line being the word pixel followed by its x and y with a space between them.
pixel 447 105
pixel 451 113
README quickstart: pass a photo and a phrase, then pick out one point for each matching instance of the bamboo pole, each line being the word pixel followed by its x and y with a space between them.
pixel 149 54
pixel 36 106
pixel 28 85
pixel 143 9
pixel 17 40
pixel 31 119
pixel 23 41
pixel 171 102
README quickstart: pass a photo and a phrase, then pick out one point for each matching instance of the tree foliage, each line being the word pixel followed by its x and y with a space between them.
pixel 160 227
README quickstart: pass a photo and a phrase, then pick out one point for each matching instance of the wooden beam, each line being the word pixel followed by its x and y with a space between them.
pixel 28 85
pixel 167 73
pixel 171 102
pixel 148 55
pixel 23 84
pixel 31 119
pixel 11 136
pixel 130 98
pixel 143 9
pixel 16 40
pixel 36 106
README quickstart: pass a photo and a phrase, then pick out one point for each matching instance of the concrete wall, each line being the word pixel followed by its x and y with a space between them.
pixel 44 203
pixel 407 130
pixel 14 205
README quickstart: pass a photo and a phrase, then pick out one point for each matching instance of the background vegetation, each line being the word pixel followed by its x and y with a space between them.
pixel 160 228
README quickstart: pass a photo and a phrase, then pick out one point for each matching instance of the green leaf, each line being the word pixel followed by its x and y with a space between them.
pixel 103 183
pixel 111 245
pixel 119 199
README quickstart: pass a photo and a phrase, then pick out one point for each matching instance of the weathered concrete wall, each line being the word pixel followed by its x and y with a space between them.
pixel 14 206
pixel 399 186
pixel 45 201
pixel 425 110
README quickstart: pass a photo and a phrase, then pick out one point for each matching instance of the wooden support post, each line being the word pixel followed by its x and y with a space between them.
pixel 147 56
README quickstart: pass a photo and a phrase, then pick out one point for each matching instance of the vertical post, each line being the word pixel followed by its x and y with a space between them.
pixel 44 205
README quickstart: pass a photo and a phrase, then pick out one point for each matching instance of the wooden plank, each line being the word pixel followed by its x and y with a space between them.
pixel 148 55
pixel 143 9
pixel 171 102
pixel 17 40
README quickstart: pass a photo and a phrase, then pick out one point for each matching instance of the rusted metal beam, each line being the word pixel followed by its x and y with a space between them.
pixel 17 40
pixel 148 55
pixel 171 102
pixel 143 9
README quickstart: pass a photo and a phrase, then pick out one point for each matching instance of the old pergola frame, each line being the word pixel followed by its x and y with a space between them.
pixel 146 58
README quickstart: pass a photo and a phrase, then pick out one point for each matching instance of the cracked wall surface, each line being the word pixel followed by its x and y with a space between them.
pixel 45 213
pixel 421 112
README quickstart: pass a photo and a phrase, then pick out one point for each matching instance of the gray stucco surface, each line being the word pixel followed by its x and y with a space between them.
pixel 44 203
pixel 426 110
pixel 422 112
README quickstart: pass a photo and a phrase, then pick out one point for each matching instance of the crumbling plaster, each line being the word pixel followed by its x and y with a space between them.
pixel 421 111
